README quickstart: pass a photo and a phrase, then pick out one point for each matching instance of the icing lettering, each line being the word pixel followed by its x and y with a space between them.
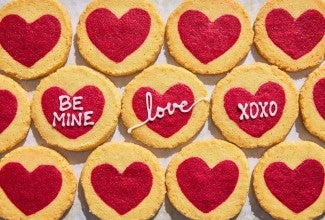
pixel 72 119
pixel 257 109
pixel 160 111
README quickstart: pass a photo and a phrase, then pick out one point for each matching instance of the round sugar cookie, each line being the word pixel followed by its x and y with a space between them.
pixel 35 37
pixel 76 108
pixel 290 33
pixel 255 105
pixel 312 103
pixel 14 113
pixel 289 180
pixel 209 36
pixel 164 106
pixel 123 181
pixel 120 37
pixel 35 183
pixel 208 180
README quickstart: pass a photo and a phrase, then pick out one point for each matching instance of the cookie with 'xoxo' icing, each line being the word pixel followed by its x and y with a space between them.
pixel 35 183
pixel 255 105
pixel 76 108
pixel 164 106
pixel 14 113
pixel 290 33
pixel 209 36
pixel 120 37
pixel 35 37
pixel 208 180
pixel 289 180
pixel 123 181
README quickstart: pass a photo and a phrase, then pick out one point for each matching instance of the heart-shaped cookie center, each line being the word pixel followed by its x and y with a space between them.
pixel 122 191
pixel 206 188
pixel 319 97
pixel 8 109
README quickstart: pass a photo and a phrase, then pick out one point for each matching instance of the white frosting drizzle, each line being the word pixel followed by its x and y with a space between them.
pixel 255 107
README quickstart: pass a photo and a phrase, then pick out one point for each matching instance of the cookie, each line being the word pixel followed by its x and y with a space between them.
pixel 76 108
pixel 289 180
pixel 120 38
pixel 123 181
pixel 312 103
pixel 35 183
pixel 209 36
pixel 290 33
pixel 14 113
pixel 255 105
pixel 35 37
pixel 164 106
pixel 208 180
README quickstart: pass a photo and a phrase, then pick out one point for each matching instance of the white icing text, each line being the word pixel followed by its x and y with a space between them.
pixel 257 109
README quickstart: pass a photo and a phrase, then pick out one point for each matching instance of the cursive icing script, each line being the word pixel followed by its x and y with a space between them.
pixel 160 111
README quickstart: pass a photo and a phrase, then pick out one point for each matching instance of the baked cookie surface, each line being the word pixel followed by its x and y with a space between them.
pixel 35 37
pixel 208 180
pixel 14 113
pixel 209 36
pixel 76 108
pixel 290 33
pixel 123 181
pixel 35 183
pixel 120 38
pixel 312 103
pixel 164 106
pixel 255 105
pixel 289 180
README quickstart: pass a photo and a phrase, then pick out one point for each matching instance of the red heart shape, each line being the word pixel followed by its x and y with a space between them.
pixel 28 43
pixel 169 124
pixel 297 189
pixel 30 192
pixel 208 40
pixel 93 100
pixel 266 93
pixel 122 191
pixel 319 97
pixel 118 38
pixel 207 188
pixel 295 37
pixel 8 109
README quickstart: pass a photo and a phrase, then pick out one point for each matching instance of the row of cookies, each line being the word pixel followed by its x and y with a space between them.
pixel 77 108
pixel 205 180
pixel 207 37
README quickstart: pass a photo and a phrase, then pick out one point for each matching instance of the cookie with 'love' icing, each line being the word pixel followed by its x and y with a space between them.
pixel 35 37
pixel 208 180
pixel 255 105
pixel 164 106
pixel 290 33
pixel 312 103
pixel 76 108
pixel 209 36
pixel 289 180
pixel 120 38
pixel 14 113
pixel 123 181
pixel 35 183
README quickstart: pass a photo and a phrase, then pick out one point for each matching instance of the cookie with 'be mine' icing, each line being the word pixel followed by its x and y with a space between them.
pixel 290 33
pixel 289 180
pixel 312 103
pixel 123 181
pixel 120 37
pixel 35 37
pixel 14 113
pixel 35 183
pixel 164 106
pixel 255 105
pixel 209 36
pixel 208 180
pixel 76 108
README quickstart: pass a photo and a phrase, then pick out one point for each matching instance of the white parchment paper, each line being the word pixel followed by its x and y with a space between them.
pixel 79 210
